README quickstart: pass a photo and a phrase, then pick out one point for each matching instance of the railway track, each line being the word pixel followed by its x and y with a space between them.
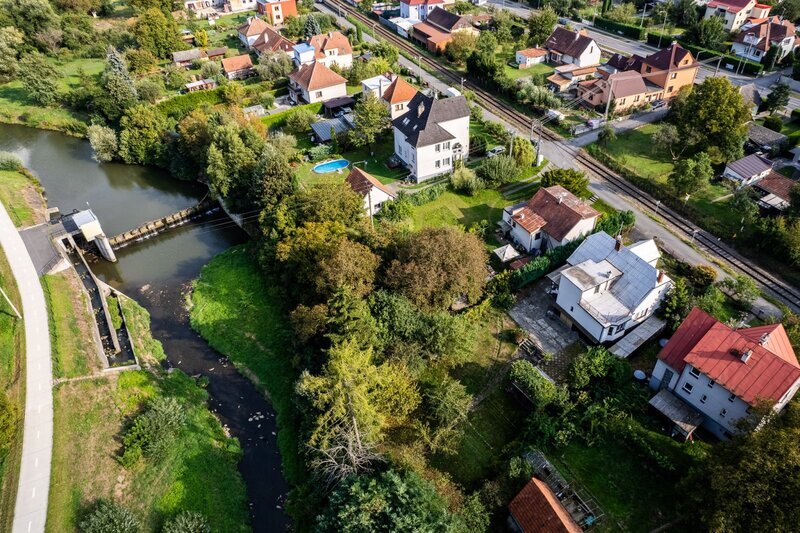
pixel 782 290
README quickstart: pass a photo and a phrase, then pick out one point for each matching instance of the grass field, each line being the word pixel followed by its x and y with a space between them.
pixel 12 385
pixel 374 164
pixel 240 315
pixel 518 73
pixel 70 326
pixel 452 208
pixel 20 196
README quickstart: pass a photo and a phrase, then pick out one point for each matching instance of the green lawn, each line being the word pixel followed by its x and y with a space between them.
pixel 70 326
pixel 16 190
pixel 12 386
pixel 452 208
pixel 632 497
pixel 518 73
pixel 241 316
pixel 197 472
pixel 374 164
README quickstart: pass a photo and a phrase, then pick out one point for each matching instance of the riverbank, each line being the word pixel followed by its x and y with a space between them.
pixel 197 471
pixel 12 394
pixel 21 195
pixel 241 317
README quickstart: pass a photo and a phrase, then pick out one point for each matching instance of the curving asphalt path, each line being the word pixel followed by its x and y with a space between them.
pixel 30 513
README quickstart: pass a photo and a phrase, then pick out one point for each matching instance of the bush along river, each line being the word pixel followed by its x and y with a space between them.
pixel 157 273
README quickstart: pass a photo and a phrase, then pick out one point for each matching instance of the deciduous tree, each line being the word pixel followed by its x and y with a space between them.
pixel 371 119
pixel 157 33
pixel 11 40
pixel 573 180
pixel 707 33
pixel 778 99
pixel 103 141
pixel 39 78
pixel 540 26
pixel 692 175
pixel 141 140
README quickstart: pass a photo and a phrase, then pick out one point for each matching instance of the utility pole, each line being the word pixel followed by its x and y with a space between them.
pixel 419 65
pixel 9 303
pixel 663 29
pixel 462 85
pixel 610 96
pixel 644 12
pixel 371 214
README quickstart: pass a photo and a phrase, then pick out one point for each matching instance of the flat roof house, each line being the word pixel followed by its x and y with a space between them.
pixel 316 83
pixel 432 135
pixel 722 372
pixel 552 218
pixel 606 288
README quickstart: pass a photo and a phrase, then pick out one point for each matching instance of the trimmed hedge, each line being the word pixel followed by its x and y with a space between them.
pixel 178 107
pixel 634 32
pixel 543 265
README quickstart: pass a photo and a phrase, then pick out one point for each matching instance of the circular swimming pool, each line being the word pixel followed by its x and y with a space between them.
pixel 331 166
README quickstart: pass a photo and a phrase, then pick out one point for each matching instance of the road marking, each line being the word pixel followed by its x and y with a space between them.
pixel 36 463
pixel 33 493
pixel 30 523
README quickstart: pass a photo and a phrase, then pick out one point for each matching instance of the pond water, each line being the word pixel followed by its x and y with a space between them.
pixel 157 273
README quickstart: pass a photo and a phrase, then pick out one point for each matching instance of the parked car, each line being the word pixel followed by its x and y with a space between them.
pixel 497 150
pixel 394 161
pixel 658 104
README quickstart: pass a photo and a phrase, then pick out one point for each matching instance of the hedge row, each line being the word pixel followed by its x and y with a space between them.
pixel 750 67
pixel 543 265
pixel 278 119
pixel 178 107
pixel 634 32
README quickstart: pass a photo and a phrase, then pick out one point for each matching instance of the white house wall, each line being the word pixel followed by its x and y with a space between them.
pixel 322 95
pixel 378 197
pixel 343 61
pixel 716 399
pixel 568 300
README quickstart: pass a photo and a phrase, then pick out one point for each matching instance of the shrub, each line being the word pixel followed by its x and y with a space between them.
pixel 496 130
pixel 538 389
pixel 108 517
pixel 496 171
pixel 153 430
pixel 320 152
pixel 464 180
pixel 187 522
pixel 140 61
pixel 9 161
pixel 178 107
pixel 595 363
pixel 299 122
pixel 398 209
pixel 702 276
pixel 477 146
pixel 774 123
pixel 628 30
pixel 150 89
pixel 616 223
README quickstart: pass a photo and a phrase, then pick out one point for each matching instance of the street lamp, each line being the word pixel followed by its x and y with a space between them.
pixel 644 12
pixel 658 204
pixel 663 28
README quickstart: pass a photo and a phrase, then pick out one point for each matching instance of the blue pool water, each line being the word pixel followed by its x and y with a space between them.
pixel 331 166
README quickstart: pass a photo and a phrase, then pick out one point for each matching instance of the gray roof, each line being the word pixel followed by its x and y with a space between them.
pixel 632 278
pixel 322 129
pixel 186 55
pixel 762 136
pixel 750 94
pixel 750 165
pixel 420 124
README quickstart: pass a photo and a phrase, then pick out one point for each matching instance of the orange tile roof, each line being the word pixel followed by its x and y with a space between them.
pixel 361 182
pixel 316 76
pixel 253 27
pixel 529 220
pixel 533 52
pixel 232 64
pixel 399 91
pixel 329 41
pixel 558 79
pixel 537 510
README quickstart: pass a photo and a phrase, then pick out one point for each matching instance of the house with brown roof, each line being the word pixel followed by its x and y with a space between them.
pixel 530 56
pixel 271 40
pixel 537 509
pixel 250 30
pixel 566 46
pixel 237 67
pixel 552 218
pixel 722 373
pixel 626 89
pixel 754 42
pixel 438 29
pixel 326 48
pixel 397 96
pixel 776 192
pixel 567 77
pixel 316 83
pixel 734 13
pixel 747 170
pixel 373 191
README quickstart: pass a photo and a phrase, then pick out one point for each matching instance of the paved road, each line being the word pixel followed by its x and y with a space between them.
pixel 37 444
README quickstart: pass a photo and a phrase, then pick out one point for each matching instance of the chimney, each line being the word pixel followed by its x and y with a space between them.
pixel 420 109
pixel 330 35
pixel 618 244
pixel 660 276
pixel 764 339
pixel 746 356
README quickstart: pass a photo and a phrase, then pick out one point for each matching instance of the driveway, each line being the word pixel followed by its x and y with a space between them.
pixel 30 513
pixel 530 313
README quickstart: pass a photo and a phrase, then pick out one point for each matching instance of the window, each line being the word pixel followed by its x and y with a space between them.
pixel 710 383
pixel 649 69
pixel 537 236
pixel 447 145
pixel 438 164
pixel 398 107
pixel 318 94
pixel 670 88
pixel 723 413
pixel 688 387
pixel 694 372
pixel 438 147
pixel 703 399
pixel 732 398
pixel 673 75
pixel 637 98
pixel 597 289
pixel 447 161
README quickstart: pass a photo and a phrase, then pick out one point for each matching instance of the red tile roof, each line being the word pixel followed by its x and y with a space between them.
pixel 421 2
pixel 731 6
pixel 533 52
pixel 777 184
pixel 316 76
pixel 361 182
pixel 270 39
pixel 559 209
pixel 232 64
pixel 537 510
pixel 334 40
pixel 670 58
pixel 254 26
pixel 399 91
pixel 716 350
pixel 529 220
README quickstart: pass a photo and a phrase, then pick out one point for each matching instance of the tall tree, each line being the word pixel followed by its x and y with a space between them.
pixel 371 120
pixel 692 175
pixel 141 140
pixel 29 16
pixel 352 387
pixel 311 27
pixel 40 78
pixel 541 26
pixel 11 40
pixel 119 89
pixel 712 116
pixel 707 33
pixel 574 181
pixel 778 99
pixel 157 33
pixel 437 265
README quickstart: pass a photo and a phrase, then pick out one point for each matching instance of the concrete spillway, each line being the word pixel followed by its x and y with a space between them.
pixel 154 227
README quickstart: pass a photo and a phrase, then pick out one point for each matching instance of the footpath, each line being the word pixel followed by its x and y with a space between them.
pixel 30 513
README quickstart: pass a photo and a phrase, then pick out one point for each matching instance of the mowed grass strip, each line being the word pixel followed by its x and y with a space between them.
pixel 241 315
pixel 16 193
pixel 12 384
